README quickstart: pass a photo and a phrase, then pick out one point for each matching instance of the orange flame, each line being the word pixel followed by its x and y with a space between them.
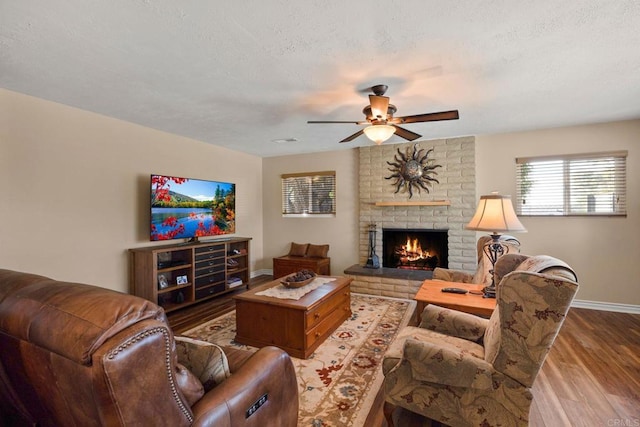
pixel 414 250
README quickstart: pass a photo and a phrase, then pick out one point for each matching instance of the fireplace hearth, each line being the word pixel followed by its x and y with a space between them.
pixel 414 249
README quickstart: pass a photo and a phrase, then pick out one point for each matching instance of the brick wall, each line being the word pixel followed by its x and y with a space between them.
pixel 457 185
pixel 384 286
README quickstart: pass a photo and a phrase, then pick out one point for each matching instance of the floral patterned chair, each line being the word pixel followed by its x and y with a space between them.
pixel 483 272
pixel 463 370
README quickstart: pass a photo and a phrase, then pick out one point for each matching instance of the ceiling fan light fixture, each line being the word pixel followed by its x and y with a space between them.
pixel 379 112
pixel 379 133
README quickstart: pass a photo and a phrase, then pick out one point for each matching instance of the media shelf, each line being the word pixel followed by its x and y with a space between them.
pixel 175 276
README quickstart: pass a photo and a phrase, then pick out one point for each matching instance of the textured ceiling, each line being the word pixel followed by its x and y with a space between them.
pixel 242 74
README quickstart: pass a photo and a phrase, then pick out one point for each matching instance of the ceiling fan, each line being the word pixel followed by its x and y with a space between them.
pixel 379 115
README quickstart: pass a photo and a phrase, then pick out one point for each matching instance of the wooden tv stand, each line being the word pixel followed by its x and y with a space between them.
pixel 175 276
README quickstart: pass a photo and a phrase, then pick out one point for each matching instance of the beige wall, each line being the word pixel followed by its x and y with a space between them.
pixel 341 232
pixel 74 188
pixel 603 251
pixel 74 196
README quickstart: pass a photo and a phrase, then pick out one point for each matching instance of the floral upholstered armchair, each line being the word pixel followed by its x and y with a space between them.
pixel 482 275
pixel 462 370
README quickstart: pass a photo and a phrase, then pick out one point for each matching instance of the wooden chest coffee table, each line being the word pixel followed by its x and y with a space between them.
pixel 296 326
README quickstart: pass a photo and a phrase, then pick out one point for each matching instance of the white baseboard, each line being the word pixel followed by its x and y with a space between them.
pixel 606 306
pixel 264 271
pixel 577 303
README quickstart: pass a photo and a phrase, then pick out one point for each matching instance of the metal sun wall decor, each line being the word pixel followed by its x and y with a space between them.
pixel 413 170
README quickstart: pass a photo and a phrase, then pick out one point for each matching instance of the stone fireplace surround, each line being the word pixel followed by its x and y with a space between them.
pixel 456 187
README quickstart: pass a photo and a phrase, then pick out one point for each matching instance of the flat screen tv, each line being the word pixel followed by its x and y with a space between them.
pixel 186 208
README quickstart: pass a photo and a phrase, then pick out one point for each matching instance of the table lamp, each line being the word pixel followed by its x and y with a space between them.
pixel 495 214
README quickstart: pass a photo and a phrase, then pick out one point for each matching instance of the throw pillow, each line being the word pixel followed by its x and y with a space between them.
pixel 298 249
pixel 190 386
pixel 207 361
pixel 318 251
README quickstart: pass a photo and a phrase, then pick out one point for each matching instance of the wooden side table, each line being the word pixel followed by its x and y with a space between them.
pixel 431 293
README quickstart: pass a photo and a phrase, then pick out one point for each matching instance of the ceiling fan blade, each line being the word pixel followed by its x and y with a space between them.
pixel 354 136
pixel 379 106
pixel 429 117
pixel 330 121
pixel 406 134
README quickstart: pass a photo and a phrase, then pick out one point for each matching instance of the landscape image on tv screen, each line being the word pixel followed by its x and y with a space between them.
pixel 184 208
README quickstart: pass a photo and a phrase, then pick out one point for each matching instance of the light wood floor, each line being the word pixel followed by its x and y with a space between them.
pixel 590 378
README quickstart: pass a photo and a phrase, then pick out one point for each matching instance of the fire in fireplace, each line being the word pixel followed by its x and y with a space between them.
pixel 411 255
pixel 414 249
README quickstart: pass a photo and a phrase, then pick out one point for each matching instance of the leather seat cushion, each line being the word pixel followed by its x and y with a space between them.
pixel 298 249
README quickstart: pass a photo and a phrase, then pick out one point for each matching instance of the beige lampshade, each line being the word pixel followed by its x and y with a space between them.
pixel 379 133
pixel 495 213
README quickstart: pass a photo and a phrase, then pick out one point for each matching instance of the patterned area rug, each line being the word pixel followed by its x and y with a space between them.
pixel 339 381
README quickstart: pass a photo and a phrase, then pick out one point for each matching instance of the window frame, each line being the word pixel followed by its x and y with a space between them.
pixel 573 174
pixel 311 194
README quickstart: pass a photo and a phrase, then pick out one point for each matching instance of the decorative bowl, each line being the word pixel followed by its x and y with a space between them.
pixel 288 281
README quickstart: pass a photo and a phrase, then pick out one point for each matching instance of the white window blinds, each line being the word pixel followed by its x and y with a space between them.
pixel 591 184
pixel 311 193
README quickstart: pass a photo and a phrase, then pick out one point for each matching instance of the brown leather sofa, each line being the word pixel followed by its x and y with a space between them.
pixel 79 355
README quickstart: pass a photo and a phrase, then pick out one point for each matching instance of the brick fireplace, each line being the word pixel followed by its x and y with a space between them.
pixel 448 207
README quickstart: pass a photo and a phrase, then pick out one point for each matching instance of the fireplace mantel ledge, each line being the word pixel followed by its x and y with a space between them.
pixel 414 203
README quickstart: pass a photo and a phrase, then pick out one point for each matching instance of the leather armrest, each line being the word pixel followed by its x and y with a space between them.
pixel 269 371
pixel 236 357
pixel 446 365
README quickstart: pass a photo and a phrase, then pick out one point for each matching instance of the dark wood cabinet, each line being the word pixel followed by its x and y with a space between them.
pixel 288 264
pixel 175 276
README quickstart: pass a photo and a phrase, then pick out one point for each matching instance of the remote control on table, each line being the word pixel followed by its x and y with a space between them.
pixel 455 290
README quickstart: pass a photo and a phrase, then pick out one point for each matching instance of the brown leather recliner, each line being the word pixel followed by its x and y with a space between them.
pixel 79 355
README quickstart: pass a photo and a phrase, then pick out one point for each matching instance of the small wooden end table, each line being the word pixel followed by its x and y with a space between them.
pixel 431 293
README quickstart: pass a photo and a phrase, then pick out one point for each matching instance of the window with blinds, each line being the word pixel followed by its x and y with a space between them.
pixel 593 184
pixel 306 194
